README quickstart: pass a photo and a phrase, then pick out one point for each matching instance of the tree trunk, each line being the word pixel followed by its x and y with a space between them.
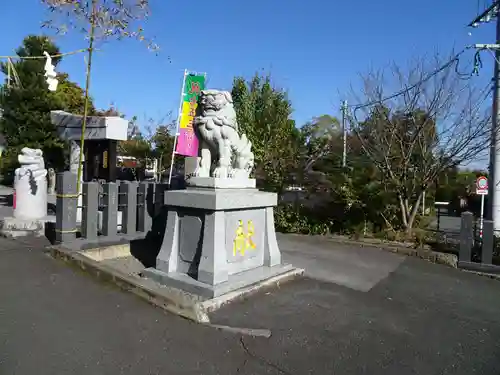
pixel 404 212
pixel 414 211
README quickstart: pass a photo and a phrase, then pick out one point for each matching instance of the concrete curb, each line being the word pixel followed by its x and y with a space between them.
pixel 450 260
pixel 170 299
pixel 241 294
pixel 174 301
pixel 484 274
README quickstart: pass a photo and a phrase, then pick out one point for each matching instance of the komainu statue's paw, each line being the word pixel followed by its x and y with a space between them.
pixel 221 172
pixel 238 173
pixel 201 172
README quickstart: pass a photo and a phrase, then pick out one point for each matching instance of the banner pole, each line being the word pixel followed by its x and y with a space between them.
pixel 179 114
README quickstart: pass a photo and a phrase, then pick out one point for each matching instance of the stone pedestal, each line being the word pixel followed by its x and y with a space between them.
pixel 218 240
pixel 15 227
pixel 222 183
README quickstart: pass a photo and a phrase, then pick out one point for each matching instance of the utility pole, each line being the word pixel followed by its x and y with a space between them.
pixel 494 168
pixel 344 133
pixel 493 211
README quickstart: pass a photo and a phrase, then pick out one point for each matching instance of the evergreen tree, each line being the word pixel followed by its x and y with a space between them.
pixel 27 103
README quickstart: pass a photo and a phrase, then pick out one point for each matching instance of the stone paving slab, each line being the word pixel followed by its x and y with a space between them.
pixel 355 267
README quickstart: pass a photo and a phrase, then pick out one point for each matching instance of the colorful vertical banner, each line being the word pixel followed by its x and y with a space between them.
pixel 187 142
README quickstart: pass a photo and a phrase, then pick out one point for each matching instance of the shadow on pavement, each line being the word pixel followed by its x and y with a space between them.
pixel 146 250
pixel 50 232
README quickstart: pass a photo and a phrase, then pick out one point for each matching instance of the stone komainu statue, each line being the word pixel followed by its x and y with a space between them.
pixel 223 152
pixel 30 185
pixel 32 163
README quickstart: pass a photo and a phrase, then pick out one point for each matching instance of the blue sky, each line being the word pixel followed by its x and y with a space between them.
pixel 315 49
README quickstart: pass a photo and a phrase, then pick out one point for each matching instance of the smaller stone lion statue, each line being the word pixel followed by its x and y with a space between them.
pixel 223 152
pixel 32 162
pixel 30 185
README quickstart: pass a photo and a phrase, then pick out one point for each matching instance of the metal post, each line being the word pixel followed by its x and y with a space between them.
pixel 344 132
pixel 177 128
pixel 481 219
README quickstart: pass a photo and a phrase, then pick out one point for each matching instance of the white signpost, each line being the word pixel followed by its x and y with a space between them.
pixel 482 190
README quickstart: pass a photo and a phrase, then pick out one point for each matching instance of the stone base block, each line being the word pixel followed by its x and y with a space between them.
pixel 15 227
pixel 235 282
pixel 222 183
pixel 220 199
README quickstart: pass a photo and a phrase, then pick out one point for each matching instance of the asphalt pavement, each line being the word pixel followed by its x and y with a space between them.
pixel 411 317
pixel 55 320
pixel 422 319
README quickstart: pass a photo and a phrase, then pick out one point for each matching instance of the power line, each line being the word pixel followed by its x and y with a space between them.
pixel 484 17
pixel 454 60
pixel 16 57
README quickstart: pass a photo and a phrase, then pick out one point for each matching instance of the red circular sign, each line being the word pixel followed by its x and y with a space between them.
pixel 482 183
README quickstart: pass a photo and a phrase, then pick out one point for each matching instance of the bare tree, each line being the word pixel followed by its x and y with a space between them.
pixel 434 121
pixel 100 21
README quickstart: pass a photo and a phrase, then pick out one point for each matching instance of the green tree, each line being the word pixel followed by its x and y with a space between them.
pixel 264 115
pixel 163 140
pixel 156 142
pixel 347 200
pixel 27 103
